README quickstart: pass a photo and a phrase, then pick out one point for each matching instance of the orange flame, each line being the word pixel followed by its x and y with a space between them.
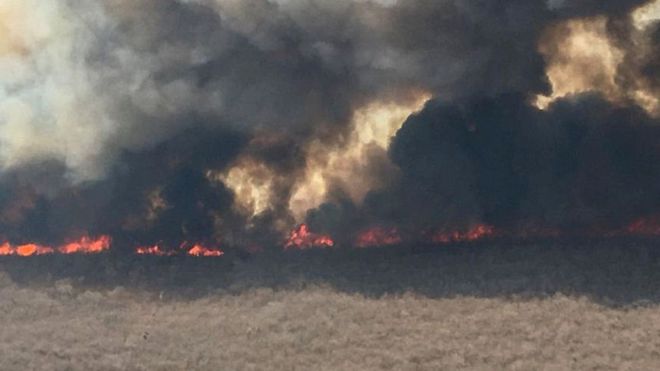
pixel 199 250
pixel 33 249
pixel 86 245
pixel 378 236
pixel 153 250
pixel 302 238
pixel 6 249
pixel 475 233
pixel 196 250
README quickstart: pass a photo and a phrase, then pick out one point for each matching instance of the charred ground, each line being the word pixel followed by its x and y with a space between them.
pixel 614 271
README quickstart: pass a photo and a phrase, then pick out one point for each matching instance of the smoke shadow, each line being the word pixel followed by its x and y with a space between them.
pixel 612 272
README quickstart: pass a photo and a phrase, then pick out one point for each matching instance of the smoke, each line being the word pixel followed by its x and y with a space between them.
pixel 226 120
pixel 581 163
pixel 639 73
pixel 614 55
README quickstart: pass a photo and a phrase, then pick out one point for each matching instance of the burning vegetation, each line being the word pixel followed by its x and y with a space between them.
pixel 415 122
pixel 184 249
pixel 84 245
pixel 302 238
pixel 473 234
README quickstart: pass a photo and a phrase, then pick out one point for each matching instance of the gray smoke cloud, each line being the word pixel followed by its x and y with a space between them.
pixel 84 81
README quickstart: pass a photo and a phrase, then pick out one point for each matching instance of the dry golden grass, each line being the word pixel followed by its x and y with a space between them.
pixel 288 312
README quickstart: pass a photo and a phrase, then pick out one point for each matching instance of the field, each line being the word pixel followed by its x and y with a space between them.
pixel 552 305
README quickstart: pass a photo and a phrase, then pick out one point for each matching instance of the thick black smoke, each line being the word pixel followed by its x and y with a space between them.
pixel 133 104
pixel 581 163
pixel 640 69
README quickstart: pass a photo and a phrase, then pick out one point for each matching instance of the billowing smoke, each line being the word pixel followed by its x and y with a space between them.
pixel 227 121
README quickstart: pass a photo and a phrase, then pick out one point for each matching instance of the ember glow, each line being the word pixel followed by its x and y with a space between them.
pixel 378 236
pixel 475 233
pixel 153 250
pixel 644 227
pixel 302 238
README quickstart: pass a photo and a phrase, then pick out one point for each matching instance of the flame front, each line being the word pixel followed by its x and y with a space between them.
pixel 478 232
pixel 85 245
pixel 302 238
pixel 196 249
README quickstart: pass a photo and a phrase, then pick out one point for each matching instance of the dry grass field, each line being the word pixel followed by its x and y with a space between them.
pixel 591 305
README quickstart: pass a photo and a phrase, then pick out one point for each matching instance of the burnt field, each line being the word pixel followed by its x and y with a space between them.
pixel 614 272
pixel 584 304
